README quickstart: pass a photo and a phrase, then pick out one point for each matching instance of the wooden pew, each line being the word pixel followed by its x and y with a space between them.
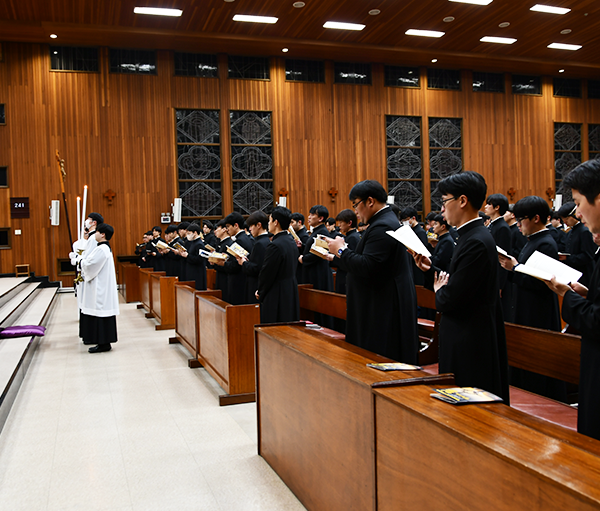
pixel 226 346
pixel 428 329
pixel 186 323
pixel 145 288
pixel 129 281
pixel 211 278
pixel 162 300
pixel 314 300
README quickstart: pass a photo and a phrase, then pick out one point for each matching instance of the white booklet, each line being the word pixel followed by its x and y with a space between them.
pixel 544 267
pixel 410 240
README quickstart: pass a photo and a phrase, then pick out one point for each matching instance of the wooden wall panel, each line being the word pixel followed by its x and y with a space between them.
pixel 118 132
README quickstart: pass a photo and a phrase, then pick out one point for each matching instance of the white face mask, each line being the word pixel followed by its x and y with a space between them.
pixel 88 223
pixel 406 223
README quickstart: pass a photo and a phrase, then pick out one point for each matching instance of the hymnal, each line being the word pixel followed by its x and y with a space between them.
pixel 544 267
pixel 394 366
pixel 465 396
pixel 179 246
pixel 217 256
pixel 209 248
pixel 237 251
pixel 320 241
pixel 293 233
pixel 410 240
pixel 319 251
pixel 162 245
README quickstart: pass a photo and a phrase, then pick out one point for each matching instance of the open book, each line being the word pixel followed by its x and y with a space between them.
pixel 319 251
pixel 543 267
pixel 293 233
pixel 410 240
pixel 465 395
pixel 213 257
pixel 237 250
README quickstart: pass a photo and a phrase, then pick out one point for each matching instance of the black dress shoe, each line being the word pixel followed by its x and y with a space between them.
pixel 100 348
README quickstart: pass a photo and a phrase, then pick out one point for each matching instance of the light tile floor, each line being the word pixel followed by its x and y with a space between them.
pixel 131 429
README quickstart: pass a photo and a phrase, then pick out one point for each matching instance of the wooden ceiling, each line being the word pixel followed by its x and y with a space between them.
pixel 207 26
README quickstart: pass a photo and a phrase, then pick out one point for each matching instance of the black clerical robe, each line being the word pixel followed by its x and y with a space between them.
pixel 222 277
pixel 253 265
pixel 472 338
pixel 581 247
pixel 352 239
pixel 212 240
pixel 277 285
pixel 195 267
pixel 584 315
pixel 236 279
pixel 518 240
pixel 380 292
pixel 418 276
pixel 157 261
pixel 442 253
pixel 502 235
pixel 316 271
pixel 559 236
pixel 303 235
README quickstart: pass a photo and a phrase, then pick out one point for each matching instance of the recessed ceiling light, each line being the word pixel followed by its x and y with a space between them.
pixel 434 60
pixel 561 70
pixel 156 11
pixel 285 50
pixel 55 53
pixel 550 9
pixel 298 5
pixel 424 33
pixel 254 19
pixel 229 0
pixel 374 12
pixel 504 24
pixel 53 36
pixel 566 31
pixel 499 40
pixel 448 19
pixel 475 2
pixel 561 46
pixel 343 26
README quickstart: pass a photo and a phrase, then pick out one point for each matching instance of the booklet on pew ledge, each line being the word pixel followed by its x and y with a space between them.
pixel 410 240
pixel 237 250
pixel 543 267
pixel 465 396
pixel 394 366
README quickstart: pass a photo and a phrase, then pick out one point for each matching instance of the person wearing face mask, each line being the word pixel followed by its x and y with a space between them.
pixel 100 301
pixel 195 264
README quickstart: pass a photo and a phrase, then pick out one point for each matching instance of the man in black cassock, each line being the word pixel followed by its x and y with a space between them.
pixel 534 304
pixel 559 235
pixel 257 224
pixel 409 217
pixel 209 235
pixel 277 285
pixel 472 338
pixel 316 271
pixel 444 249
pixel 224 241
pixel 156 258
pixel 579 244
pixel 236 279
pixel 297 224
pixel 347 221
pixel 380 293
pixel 518 240
pixel 581 305
pixel 195 268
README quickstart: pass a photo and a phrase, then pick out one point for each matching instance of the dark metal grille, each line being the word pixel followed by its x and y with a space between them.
pixel 251 161
pixel 396 76
pixel 446 79
pixel 594 89
pixel 132 61
pixel 528 85
pixel 199 163
pixel 4 176
pixel 594 141
pixel 352 72
pixel 69 58
pixel 249 68
pixel 567 87
pixel 304 71
pixel 445 154
pixel 196 64
pixel 2 114
pixel 488 82
pixel 567 154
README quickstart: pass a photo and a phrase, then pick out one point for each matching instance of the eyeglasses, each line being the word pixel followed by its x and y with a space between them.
pixel 355 205
pixel 448 200
pixel 521 218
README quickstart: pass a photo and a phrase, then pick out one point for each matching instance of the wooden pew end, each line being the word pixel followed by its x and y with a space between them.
pixel 236 399
pixel 194 363
pixel 149 315
pixel 164 327
pixel 140 305
pixel 174 340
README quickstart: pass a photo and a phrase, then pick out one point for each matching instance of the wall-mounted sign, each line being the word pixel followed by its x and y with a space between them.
pixel 19 207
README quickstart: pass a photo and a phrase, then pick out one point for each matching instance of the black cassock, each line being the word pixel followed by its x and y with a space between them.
pixel 418 276
pixel 277 285
pixel 560 237
pixel 580 244
pixel 503 237
pixel 472 338
pixel 303 235
pixel 584 315
pixel 222 277
pixel 518 240
pixel 352 239
pixel 155 258
pixel 236 279
pixel 442 253
pixel 212 240
pixel 252 266
pixel 175 264
pixel 380 293
pixel 316 271
pixel 195 267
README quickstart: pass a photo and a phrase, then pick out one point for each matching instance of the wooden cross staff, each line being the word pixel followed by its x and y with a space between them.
pixel 63 174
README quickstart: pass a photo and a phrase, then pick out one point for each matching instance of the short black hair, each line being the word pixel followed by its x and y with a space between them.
pixel 348 216
pixel 483 215
pixel 431 216
pixel 439 218
pixel 320 211
pixel 497 199
pixel 555 216
pixel 468 183
pixel 105 229
pixel 97 217
pixel 194 228
pixel 283 216
pixel 208 223
pixel 530 206
pixel 148 233
pixel 567 210
pixel 408 213
pixel 183 225
pixel 221 223
pixel 585 178
pixel 235 218
pixel 157 228
pixel 368 188
pixel 395 209
pixel 330 221
pixel 298 217
pixel 258 217
pixel 170 229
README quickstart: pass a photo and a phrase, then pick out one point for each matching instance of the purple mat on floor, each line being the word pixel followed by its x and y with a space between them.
pixel 22 331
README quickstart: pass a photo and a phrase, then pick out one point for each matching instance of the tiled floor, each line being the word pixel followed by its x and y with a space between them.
pixel 131 429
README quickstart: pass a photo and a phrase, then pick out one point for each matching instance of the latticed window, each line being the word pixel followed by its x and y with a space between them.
pixel 251 161
pixel 445 154
pixel 404 161
pixel 199 163
pixel 567 154
pixel 594 141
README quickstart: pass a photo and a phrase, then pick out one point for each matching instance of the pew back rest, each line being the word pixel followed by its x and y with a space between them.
pixel 324 302
pixel 544 352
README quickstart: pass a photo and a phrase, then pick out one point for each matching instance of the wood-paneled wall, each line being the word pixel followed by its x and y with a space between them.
pixel 118 132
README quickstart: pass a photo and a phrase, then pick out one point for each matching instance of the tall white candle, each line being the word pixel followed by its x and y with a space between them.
pixel 83 213
pixel 78 218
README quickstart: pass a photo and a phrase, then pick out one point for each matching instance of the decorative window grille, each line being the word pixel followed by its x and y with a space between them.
pixel 594 141
pixel 251 161
pixel 567 154
pixel 445 79
pixel 404 161
pixel 199 163
pixel 528 85
pixel 593 89
pixel 304 71
pixel 69 58
pixel 488 82
pixel 352 72
pixel 567 87
pixel 249 68
pixel 445 154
